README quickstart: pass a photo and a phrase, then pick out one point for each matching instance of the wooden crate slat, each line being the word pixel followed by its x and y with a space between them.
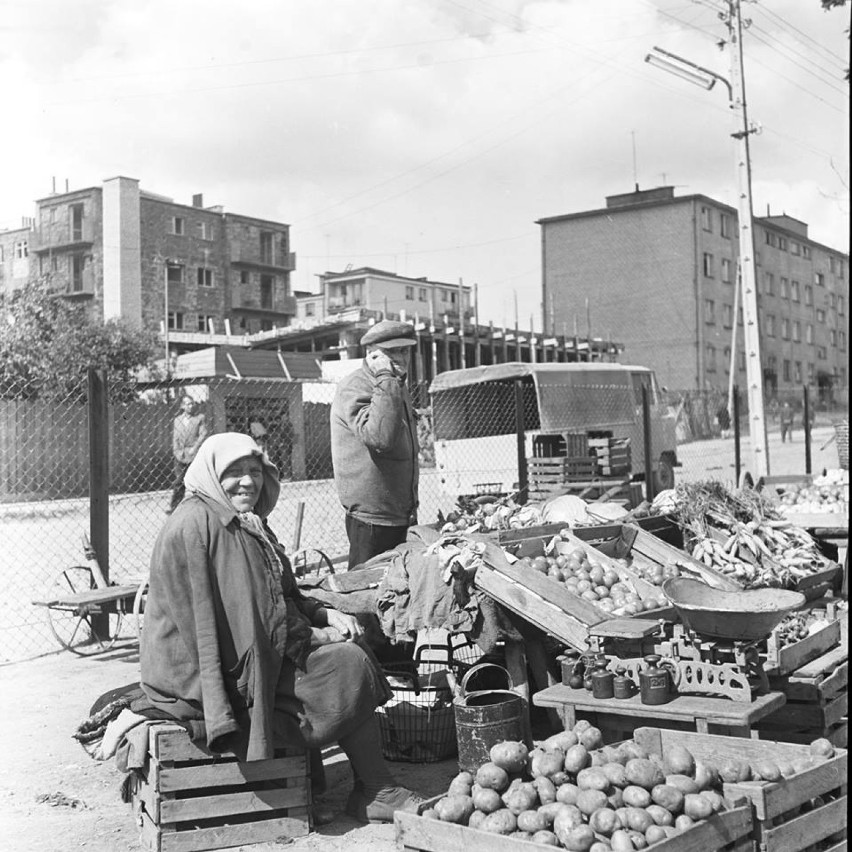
pixel 837 735
pixel 805 830
pixel 231 804
pixel 827 661
pixel 172 743
pixel 178 778
pixel 821 687
pixel 221 837
pixel 795 716
pixel 791 658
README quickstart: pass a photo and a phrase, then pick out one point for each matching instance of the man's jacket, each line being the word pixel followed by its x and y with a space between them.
pixel 374 448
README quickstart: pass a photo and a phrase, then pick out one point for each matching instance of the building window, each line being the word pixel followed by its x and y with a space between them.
pixel 809 333
pixel 769 238
pixel 785 328
pixel 174 273
pixel 770 325
pixel 832 336
pixel 726 270
pixel 266 287
pixel 794 291
pixel 725 225
pixel 819 279
pixel 175 321
pixel 769 283
pixel 841 305
pixel 832 300
pixel 726 354
pixel 795 248
pixel 728 315
pixel 707 219
pixel 310 309
pixel 811 373
pixel 710 358
pixel 76 211
pixel 782 243
pixel 806 252
pixel 409 293
pixel 421 294
pixel 822 353
pixel 267 248
pixel 785 370
pixel 77 264
pixel 22 249
pixel 741 360
pixel 205 277
pixel 178 225
pixel 797 330
pixel 205 230
pixel 205 323
pixel 709 311
pixel 266 325
pixel 708 265
pixel 785 288
pixel 841 340
pixel 797 372
pixel 244 276
pixel 445 296
pixel 820 315
pixel 809 294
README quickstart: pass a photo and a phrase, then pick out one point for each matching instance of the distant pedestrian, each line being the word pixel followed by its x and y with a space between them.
pixel 724 420
pixel 189 432
pixel 786 422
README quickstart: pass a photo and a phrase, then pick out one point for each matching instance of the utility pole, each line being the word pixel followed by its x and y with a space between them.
pixel 751 332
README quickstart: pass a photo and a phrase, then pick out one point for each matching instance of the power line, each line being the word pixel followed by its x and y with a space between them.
pixel 786 24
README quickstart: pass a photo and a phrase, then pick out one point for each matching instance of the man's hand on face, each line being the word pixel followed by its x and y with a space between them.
pixel 378 362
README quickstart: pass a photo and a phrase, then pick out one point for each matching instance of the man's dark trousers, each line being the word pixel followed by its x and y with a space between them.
pixel 367 540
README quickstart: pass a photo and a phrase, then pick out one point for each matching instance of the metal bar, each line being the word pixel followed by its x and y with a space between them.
pixel 646 436
pixel 735 415
pixel 99 481
pixel 523 478
pixel 807 425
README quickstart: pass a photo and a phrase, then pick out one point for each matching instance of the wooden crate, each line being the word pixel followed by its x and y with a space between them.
pixel 728 831
pixel 190 799
pixel 778 824
pixel 782 660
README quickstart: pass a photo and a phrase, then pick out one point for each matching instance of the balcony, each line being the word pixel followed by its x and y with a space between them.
pixel 247 256
pixel 59 237
pixel 285 305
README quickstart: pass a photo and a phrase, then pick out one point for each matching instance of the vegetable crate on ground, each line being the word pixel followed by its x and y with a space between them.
pixel 189 799
pixel 797 813
pixel 817 701
pixel 728 831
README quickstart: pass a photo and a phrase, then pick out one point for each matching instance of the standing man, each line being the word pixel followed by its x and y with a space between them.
pixel 190 430
pixel 374 445
pixel 786 422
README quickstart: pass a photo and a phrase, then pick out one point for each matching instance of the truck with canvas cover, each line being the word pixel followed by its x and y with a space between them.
pixel 579 413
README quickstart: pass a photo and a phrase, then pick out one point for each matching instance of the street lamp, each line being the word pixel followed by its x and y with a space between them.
pixel 705 78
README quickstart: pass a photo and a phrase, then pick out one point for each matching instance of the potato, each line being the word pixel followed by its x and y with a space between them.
pixel 492 776
pixel 637 838
pixel 576 758
pixel 706 775
pixel 459 787
pixel 600 846
pixel 697 806
pixel 545 838
pixel 563 741
pixel 520 799
pixel 547 763
pixel 733 770
pixel 632 750
pixel 578 839
pixel 567 819
pixel 591 738
pixel 500 822
pixel 639 819
pixel 683 822
pixel 581 726
pixel 549 812
pixel 454 809
pixel 604 821
pixel 636 797
pixel 644 773
pixel 620 841
pixel 765 770
pixel 821 748
pixel 487 800
pixel 567 793
pixel 654 834
pixel 593 778
pixel 511 756
pixel 588 801
pixel 546 790
pixel 660 814
pixel 476 819
pixel 616 773
pixel 669 797
pixel 678 761
pixel 430 813
pixel 532 821
pixel 615 798
pixel 683 783
pixel 716 801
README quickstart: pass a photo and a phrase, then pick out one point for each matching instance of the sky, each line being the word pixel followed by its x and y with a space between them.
pixel 422 137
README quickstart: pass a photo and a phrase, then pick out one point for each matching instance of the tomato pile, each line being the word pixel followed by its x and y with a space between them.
pixel 572 792
pixel 826 494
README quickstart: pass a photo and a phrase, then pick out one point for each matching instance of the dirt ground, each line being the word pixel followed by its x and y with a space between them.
pixel 55 798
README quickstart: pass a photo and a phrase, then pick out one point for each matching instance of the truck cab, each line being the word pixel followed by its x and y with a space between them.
pixel 481 414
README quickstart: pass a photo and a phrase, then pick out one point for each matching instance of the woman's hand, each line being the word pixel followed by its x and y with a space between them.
pixel 347 625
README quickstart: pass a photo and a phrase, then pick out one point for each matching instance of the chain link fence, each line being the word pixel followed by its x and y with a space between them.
pixel 469 445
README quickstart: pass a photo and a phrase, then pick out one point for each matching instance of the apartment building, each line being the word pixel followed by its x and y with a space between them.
pixel 15 257
pixel 126 252
pixel 658 272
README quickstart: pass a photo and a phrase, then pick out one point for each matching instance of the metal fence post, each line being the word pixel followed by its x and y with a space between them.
pixel 646 435
pixel 99 480
pixel 807 424
pixel 523 478
pixel 737 448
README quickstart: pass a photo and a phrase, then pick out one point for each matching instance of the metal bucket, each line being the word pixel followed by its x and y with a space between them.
pixel 486 717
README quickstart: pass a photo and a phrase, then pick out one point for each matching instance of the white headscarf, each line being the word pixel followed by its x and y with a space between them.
pixel 216 455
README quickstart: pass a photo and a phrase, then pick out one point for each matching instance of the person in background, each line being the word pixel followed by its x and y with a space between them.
pixel 786 422
pixel 232 641
pixel 374 445
pixel 189 432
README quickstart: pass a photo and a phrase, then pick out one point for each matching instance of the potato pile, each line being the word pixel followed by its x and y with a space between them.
pixel 825 494
pixel 574 793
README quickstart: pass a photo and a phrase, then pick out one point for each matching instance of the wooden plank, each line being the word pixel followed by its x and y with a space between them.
pixel 170 742
pixel 805 830
pixel 825 662
pixel 823 686
pixel 790 658
pixel 626 628
pixel 91 597
pixel 294 825
pixel 716 711
pixel 177 778
pixel 231 804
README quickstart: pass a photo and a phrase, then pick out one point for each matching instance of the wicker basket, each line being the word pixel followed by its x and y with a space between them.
pixel 841 434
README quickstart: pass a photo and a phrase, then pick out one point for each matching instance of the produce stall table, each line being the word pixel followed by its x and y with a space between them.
pixel 698 711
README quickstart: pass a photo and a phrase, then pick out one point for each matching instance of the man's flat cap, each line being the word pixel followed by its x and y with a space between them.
pixel 389 334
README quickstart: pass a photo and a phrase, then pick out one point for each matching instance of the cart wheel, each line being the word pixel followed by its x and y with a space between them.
pixel 139 608
pixel 300 564
pixel 73 629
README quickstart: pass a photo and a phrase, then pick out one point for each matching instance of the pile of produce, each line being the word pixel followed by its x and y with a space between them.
pixel 592 579
pixel 486 513
pixel 797 626
pixel 572 792
pixel 828 494
pixel 742 535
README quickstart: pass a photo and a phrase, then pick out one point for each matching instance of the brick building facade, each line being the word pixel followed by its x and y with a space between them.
pixel 658 273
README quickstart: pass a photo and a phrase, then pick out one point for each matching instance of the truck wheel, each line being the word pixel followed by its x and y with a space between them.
pixel 664 478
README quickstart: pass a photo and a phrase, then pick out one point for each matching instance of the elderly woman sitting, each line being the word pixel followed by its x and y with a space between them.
pixel 229 638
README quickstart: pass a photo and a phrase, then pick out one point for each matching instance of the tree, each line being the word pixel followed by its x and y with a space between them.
pixel 47 345
pixel 828 5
